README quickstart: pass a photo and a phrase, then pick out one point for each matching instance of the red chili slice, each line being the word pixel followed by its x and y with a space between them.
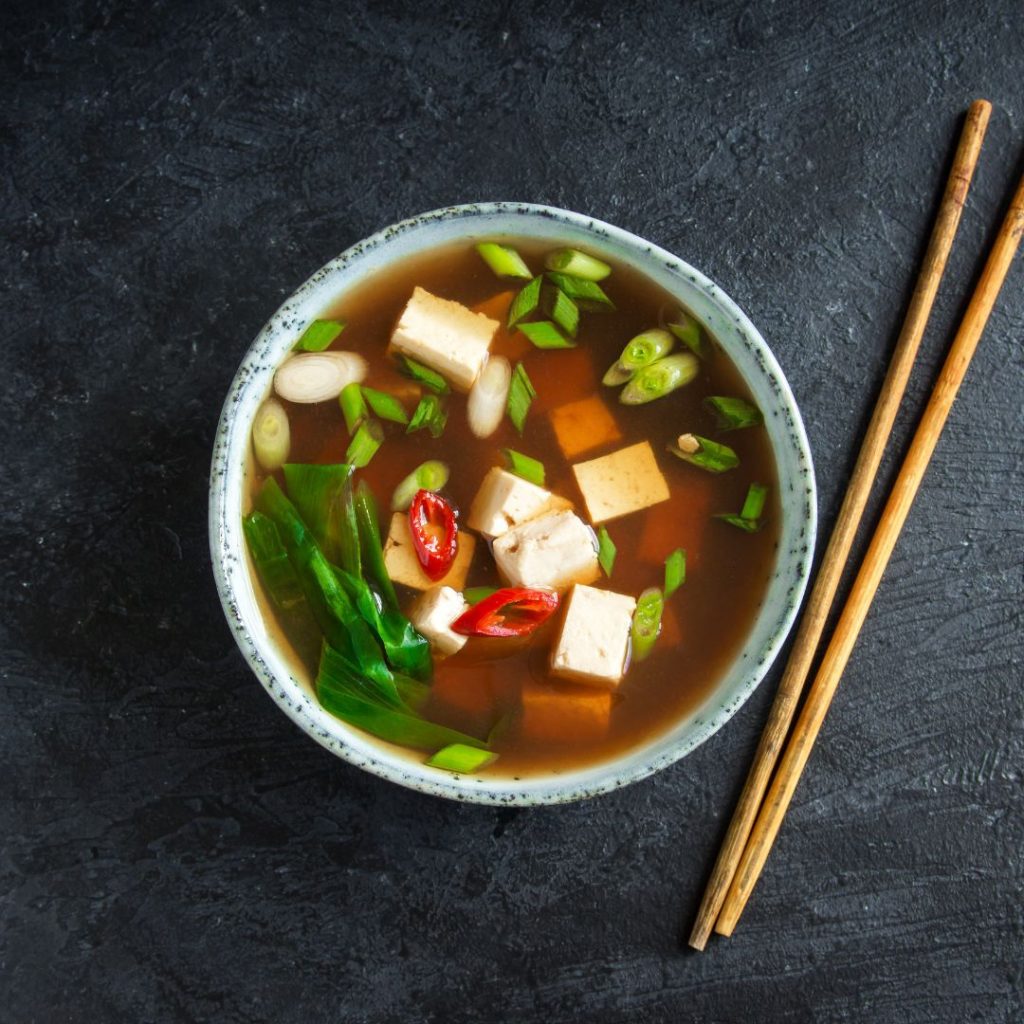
pixel 435 534
pixel 514 611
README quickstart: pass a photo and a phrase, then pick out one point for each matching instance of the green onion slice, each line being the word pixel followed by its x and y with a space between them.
pixel 271 560
pixel 606 551
pixel 733 413
pixel 474 595
pixel 588 295
pixel 428 476
pixel 544 334
pixel 563 311
pixel 646 622
pixel 353 406
pixel 521 394
pixel 646 348
pixel 503 260
pixel 271 435
pixel 675 572
pixel 687 330
pixel 369 436
pixel 660 378
pixel 457 757
pixel 319 334
pixel 525 467
pixel 525 302
pixel 423 375
pixel 577 264
pixel 429 415
pixel 749 518
pixel 616 375
pixel 702 452
pixel 386 406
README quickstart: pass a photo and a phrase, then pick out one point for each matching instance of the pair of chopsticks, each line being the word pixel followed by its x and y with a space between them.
pixel 758 816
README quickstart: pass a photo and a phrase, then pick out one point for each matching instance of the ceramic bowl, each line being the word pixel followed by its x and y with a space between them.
pixel 707 301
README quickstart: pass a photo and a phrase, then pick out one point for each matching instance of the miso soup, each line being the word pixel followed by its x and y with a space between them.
pixel 608 557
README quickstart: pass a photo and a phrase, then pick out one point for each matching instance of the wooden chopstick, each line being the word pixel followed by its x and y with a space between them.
pixel 813 621
pixel 894 515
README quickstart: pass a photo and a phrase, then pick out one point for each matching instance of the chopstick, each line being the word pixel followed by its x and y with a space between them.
pixel 815 614
pixel 855 611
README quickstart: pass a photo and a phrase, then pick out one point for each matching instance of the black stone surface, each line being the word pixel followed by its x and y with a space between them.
pixel 173 849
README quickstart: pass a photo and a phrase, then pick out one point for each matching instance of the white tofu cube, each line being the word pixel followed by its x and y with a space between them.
pixel 434 612
pixel 553 551
pixel 594 641
pixel 404 567
pixel 624 481
pixel 444 335
pixel 506 500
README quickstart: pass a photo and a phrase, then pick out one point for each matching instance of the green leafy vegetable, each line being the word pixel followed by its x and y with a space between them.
pixel 503 260
pixel 646 622
pixel 733 413
pixel 316 491
pixel 458 757
pixel 353 406
pixel 525 467
pixel 423 375
pixel 544 334
pixel 521 394
pixel 428 476
pixel 588 295
pixel 606 551
pixel 525 302
pixel 675 572
pixel 660 378
pixel 428 415
pixel 369 436
pixel 709 455
pixel 272 561
pixel 386 406
pixel 577 264
pixel 319 334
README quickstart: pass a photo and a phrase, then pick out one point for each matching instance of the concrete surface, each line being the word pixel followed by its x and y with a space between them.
pixel 173 849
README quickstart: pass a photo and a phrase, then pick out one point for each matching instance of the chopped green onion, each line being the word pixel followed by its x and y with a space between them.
pixel 319 334
pixel 675 572
pixel 457 757
pixel 733 413
pixel 646 622
pixel 271 435
pixel 606 551
pixel 474 595
pixel 577 264
pixel 521 394
pixel 503 260
pixel 428 476
pixel 687 330
pixel 645 349
pixel 588 295
pixel 563 311
pixel 709 455
pixel 544 334
pixel 525 467
pixel 660 378
pixel 424 375
pixel 271 558
pixel 749 518
pixel 525 302
pixel 386 406
pixel 369 436
pixel 429 415
pixel 353 406
pixel 616 375
pixel 317 492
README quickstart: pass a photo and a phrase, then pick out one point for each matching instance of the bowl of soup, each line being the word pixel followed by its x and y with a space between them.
pixel 509 505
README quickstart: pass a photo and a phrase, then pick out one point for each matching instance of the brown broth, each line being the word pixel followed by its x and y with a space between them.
pixel 728 571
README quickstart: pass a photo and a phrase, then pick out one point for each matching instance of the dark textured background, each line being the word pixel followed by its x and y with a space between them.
pixel 173 849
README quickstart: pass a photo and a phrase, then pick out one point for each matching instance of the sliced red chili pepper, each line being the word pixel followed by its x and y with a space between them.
pixel 514 611
pixel 435 534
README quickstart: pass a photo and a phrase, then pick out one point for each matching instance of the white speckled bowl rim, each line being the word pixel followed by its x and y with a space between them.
pixel 724 319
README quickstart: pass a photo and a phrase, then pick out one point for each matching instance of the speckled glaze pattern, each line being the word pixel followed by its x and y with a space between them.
pixel 707 301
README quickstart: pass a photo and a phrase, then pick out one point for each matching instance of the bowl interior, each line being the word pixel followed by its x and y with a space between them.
pixel 745 347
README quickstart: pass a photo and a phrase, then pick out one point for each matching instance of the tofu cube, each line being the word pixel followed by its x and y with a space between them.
pixel 555 550
pixel 433 614
pixel 444 335
pixel 624 481
pixel 584 425
pixel 404 567
pixel 594 640
pixel 506 500
pixel 560 713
